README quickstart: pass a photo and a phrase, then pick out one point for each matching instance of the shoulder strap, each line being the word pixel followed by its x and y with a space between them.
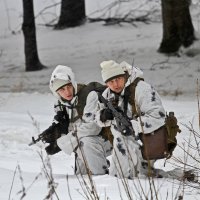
pixel 130 96
pixel 80 88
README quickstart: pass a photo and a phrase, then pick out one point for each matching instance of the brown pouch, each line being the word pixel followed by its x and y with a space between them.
pixel 155 144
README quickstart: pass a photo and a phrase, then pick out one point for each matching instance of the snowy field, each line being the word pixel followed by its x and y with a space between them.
pixel 25 98
pixel 17 128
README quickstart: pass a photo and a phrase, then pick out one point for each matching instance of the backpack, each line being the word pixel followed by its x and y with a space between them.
pixel 166 135
pixel 83 91
pixel 172 130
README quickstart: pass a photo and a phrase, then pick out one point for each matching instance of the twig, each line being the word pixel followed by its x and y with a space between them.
pixel 47 7
pixel 35 123
pixel 92 192
pixel 23 191
pixel 119 20
pixel 159 63
pixel 196 137
pixel 198 102
pixel 130 14
pixel 35 179
pixel 124 181
pixel 49 177
pixel 67 177
pixel 12 182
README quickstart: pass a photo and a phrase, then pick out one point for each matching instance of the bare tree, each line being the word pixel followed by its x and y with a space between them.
pixel 72 14
pixel 177 26
pixel 30 44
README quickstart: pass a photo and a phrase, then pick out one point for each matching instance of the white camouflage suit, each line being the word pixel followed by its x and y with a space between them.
pixel 126 160
pixel 93 148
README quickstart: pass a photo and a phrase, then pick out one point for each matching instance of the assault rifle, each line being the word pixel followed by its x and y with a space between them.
pixel 50 136
pixel 123 123
pixel 51 149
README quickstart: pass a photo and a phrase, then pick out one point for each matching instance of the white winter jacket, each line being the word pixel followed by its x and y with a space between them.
pixel 146 99
pixel 78 127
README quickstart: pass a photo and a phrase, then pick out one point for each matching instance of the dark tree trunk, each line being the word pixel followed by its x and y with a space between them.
pixel 72 14
pixel 177 26
pixel 30 44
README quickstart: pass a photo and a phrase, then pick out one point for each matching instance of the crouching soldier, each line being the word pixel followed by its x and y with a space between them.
pixel 130 95
pixel 74 129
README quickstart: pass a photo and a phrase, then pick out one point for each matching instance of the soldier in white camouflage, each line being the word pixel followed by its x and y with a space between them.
pixel 125 82
pixel 75 132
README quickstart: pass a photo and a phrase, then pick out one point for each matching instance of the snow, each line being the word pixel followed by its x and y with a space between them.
pixel 25 98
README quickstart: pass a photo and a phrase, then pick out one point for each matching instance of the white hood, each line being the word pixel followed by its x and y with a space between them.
pixel 64 73
pixel 133 71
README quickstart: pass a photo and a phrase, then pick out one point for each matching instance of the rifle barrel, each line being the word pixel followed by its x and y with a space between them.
pixel 34 141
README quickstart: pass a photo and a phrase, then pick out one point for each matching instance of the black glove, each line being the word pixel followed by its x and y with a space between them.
pixel 52 148
pixel 106 114
pixel 63 121
pixel 52 133
pixel 60 116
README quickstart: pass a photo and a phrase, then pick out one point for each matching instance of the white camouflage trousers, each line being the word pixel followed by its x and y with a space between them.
pixel 92 152
pixel 126 159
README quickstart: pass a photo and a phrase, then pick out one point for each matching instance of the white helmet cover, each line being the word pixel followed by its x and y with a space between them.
pixel 61 76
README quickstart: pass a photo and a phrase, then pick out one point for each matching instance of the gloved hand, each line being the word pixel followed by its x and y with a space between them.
pixel 52 148
pixel 51 134
pixel 60 117
pixel 106 114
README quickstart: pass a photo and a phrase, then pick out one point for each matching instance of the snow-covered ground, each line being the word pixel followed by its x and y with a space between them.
pixel 17 128
pixel 25 98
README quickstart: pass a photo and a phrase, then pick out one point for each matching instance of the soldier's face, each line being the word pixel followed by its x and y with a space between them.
pixel 116 84
pixel 66 92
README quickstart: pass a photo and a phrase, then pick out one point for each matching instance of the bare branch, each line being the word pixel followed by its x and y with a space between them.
pixel 112 13
pixel 41 12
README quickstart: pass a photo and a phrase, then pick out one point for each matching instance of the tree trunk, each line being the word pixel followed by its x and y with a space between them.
pixel 72 14
pixel 32 61
pixel 177 26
